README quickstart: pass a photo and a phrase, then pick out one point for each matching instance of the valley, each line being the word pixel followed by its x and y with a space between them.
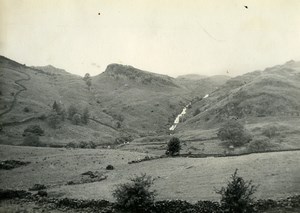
pixel 125 117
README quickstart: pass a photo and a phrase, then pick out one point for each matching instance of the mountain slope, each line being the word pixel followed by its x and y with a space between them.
pixel 272 92
pixel 122 101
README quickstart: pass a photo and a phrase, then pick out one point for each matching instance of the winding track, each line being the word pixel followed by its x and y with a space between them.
pixel 23 88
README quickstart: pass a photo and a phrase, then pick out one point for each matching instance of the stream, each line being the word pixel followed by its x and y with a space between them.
pixel 181 115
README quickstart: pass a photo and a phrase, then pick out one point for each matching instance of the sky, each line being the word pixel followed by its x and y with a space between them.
pixel 172 37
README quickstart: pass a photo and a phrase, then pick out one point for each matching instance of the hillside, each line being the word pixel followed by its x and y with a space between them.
pixel 122 101
pixel 270 93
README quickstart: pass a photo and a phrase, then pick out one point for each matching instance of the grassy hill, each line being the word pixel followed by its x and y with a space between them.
pixel 123 101
pixel 269 93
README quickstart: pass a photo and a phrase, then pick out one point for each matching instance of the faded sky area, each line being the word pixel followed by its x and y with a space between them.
pixel 168 37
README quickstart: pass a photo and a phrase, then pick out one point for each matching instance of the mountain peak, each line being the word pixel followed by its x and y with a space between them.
pixel 127 72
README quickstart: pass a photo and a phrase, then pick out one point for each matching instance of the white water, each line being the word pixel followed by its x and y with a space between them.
pixel 177 120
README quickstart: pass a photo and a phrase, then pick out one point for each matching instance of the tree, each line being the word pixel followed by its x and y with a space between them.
pixel 136 195
pixel 76 119
pixel 88 80
pixel 234 133
pixel 34 129
pixel 237 195
pixel 173 147
pixel 72 110
pixel 31 139
pixel 85 116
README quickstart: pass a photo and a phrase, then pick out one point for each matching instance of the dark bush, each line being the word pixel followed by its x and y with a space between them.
pixel 173 147
pixel 31 140
pixel 11 194
pixel 136 195
pixel 109 167
pixel 237 195
pixel 42 193
pixel 234 133
pixel 26 109
pixel 34 129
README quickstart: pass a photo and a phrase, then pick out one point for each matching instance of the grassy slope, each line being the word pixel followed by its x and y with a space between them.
pixel 143 103
pixel 176 178
pixel 273 92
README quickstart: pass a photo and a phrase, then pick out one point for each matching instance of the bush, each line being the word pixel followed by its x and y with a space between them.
pixel 85 116
pixel 270 131
pixel 259 144
pixel 234 133
pixel 173 147
pixel 26 109
pixel 110 167
pixel 237 196
pixel 72 110
pixel 31 140
pixel 136 195
pixel 196 112
pixel 34 129
pixel 76 119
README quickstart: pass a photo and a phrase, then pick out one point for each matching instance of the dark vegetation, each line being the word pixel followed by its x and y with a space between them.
pixel 237 196
pixel 11 164
pixel 173 147
pixel 234 133
pixel 34 129
pixel 82 145
pixel 135 196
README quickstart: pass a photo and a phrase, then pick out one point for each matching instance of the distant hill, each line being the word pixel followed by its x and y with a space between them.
pixel 272 92
pixel 191 77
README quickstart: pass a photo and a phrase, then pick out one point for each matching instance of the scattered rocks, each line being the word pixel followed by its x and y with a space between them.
pixel 11 164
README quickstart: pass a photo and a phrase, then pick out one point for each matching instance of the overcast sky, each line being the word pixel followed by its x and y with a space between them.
pixel 169 37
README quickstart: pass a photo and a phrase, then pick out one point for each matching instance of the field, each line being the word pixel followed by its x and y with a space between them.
pixel 191 179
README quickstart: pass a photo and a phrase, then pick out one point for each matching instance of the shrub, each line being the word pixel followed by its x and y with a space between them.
pixel 136 195
pixel 173 147
pixel 259 144
pixel 270 131
pixel 237 195
pixel 110 167
pixel 26 109
pixel 72 110
pixel 34 129
pixel 196 112
pixel 76 119
pixel 31 140
pixel 234 133
pixel 85 116
pixel 54 121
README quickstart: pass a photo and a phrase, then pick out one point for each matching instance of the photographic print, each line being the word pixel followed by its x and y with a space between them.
pixel 145 106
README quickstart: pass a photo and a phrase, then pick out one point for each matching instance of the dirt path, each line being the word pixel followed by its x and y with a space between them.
pixel 23 88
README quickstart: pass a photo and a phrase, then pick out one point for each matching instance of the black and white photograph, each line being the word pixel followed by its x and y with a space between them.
pixel 150 106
